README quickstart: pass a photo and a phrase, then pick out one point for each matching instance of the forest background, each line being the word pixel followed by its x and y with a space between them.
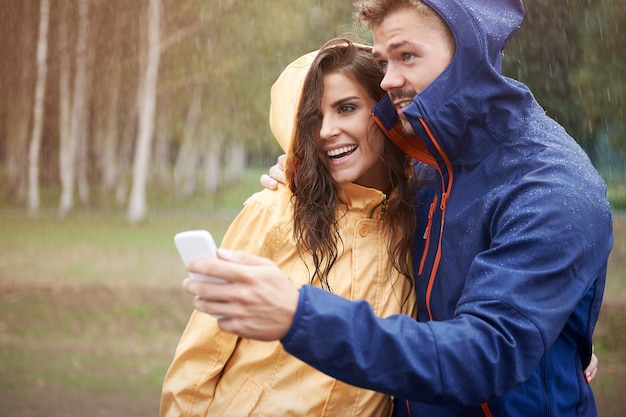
pixel 103 99
pixel 154 113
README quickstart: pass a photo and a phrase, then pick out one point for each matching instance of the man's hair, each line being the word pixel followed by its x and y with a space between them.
pixel 373 12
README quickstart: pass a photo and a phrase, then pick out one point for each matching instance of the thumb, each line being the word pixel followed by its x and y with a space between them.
pixel 240 257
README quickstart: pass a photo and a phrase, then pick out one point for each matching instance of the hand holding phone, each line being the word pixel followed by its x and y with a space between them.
pixel 196 244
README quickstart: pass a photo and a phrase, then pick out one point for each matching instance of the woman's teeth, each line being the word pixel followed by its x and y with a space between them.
pixel 339 152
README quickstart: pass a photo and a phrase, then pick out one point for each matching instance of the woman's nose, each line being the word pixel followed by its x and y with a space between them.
pixel 328 129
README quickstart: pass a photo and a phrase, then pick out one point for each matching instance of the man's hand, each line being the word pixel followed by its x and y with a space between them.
pixel 258 302
pixel 276 174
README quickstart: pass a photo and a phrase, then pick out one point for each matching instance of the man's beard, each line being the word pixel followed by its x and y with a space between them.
pixel 407 129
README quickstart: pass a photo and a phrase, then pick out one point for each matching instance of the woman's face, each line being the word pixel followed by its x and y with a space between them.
pixel 349 142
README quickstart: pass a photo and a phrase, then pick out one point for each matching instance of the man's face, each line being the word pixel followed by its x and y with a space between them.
pixel 412 50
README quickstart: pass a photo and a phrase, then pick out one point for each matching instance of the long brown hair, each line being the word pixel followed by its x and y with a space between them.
pixel 316 195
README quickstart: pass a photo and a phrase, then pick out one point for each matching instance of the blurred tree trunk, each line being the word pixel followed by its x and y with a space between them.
pixel 38 109
pixel 185 178
pixel 125 154
pixel 211 161
pixel 108 161
pixel 65 90
pixel 106 130
pixel 78 128
pixel 185 170
pixel 160 161
pixel 19 110
pixel 147 104
pixel 235 163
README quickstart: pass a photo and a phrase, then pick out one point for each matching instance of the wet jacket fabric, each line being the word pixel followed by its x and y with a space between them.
pixel 218 374
pixel 510 258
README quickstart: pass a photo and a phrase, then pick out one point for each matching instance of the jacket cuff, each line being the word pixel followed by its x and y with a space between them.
pixel 296 318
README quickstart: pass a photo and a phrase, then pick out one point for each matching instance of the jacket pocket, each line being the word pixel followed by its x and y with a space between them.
pixel 242 401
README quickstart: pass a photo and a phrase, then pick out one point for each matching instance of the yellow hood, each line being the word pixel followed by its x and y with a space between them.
pixel 285 96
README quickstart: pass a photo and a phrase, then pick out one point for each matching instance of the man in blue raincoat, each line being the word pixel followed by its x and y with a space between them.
pixel 511 256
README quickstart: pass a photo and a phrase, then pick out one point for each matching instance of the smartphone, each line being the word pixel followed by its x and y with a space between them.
pixel 196 244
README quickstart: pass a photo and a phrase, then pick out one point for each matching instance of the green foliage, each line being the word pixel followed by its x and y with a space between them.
pixel 617 195
pixel 239 50
pixel 601 80
pixel 544 52
pixel 569 54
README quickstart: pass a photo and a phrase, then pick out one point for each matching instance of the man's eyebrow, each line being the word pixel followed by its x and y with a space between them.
pixel 392 47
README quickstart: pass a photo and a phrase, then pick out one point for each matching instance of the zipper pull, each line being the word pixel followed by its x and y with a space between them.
pixel 444 201
pixel 431 212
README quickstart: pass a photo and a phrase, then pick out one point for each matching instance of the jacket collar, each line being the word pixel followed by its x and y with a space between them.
pixel 361 199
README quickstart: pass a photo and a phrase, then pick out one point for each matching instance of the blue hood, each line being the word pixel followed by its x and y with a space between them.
pixel 484 25
pixel 470 99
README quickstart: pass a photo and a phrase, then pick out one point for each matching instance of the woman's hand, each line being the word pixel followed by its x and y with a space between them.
pixel 592 369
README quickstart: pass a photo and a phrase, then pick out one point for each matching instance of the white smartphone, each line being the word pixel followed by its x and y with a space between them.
pixel 196 244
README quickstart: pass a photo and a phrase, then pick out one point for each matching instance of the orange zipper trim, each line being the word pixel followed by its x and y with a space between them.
pixel 444 201
pixel 426 236
pixel 486 410
pixel 412 146
pixel 417 149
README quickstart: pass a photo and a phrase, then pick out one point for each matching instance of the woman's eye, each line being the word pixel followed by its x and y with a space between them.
pixel 346 108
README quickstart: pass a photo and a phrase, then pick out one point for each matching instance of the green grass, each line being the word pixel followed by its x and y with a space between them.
pixel 91 308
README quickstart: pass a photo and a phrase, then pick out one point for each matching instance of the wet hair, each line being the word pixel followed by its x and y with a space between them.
pixel 317 201
pixel 372 12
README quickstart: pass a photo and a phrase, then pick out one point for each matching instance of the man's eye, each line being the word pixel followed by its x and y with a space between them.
pixel 407 57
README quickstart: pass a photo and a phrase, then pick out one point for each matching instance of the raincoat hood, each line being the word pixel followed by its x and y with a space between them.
pixel 285 97
pixel 479 25
pixel 470 98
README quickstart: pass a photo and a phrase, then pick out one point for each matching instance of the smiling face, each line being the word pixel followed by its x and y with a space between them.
pixel 349 142
pixel 412 48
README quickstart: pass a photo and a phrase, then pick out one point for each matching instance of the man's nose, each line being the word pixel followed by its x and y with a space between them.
pixel 392 79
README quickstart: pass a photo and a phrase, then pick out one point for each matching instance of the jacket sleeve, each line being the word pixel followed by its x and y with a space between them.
pixel 533 285
pixel 204 349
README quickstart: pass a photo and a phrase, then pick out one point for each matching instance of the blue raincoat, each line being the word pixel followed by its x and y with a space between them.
pixel 510 259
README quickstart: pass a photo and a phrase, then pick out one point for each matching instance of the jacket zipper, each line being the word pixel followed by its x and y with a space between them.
pixel 445 192
pixel 426 236
pixel 417 151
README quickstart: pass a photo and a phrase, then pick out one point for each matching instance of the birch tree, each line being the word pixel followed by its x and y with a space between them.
pixel 147 105
pixel 38 109
pixel 65 90
pixel 69 145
